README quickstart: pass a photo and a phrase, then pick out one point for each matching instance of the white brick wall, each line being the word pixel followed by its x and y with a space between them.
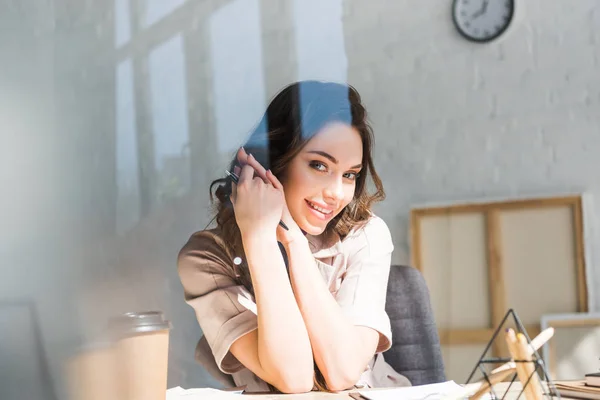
pixel 457 121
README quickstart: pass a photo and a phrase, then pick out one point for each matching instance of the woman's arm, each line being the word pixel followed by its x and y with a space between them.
pixel 279 352
pixel 341 350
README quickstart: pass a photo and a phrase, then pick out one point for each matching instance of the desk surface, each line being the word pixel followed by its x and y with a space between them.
pixel 500 388
pixel 303 396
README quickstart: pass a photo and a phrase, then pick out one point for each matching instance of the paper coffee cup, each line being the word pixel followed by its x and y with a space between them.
pixel 142 352
pixel 91 372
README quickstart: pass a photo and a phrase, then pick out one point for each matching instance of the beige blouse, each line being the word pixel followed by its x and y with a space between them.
pixel 356 270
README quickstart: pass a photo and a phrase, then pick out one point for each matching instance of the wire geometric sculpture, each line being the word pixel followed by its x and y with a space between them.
pixel 486 362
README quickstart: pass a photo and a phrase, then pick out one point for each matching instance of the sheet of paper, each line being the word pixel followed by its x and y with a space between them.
pixel 434 391
pixel 178 393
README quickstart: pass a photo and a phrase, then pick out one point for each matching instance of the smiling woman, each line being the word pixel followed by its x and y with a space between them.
pixel 322 325
pixel 320 181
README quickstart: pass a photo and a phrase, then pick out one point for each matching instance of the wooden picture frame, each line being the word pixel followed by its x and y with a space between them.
pixel 490 225
pixel 569 328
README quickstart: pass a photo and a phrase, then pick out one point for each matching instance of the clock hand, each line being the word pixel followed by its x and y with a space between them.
pixel 481 11
pixel 485 6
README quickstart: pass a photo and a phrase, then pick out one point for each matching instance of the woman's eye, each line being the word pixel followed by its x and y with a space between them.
pixel 351 175
pixel 319 166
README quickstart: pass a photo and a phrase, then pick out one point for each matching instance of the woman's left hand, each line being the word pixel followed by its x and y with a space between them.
pixel 283 236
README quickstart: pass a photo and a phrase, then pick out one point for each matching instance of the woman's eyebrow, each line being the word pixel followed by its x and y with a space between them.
pixel 331 158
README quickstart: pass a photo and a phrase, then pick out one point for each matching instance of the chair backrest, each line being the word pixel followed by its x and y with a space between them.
pixel 416 351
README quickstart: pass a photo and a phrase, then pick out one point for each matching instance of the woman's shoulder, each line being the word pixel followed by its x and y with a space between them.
pixel 374 234
pixel 201 240
pixel 205 248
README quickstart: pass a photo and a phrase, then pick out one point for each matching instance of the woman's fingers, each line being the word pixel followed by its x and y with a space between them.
pixel 273 179
pixel 241 156
pixel 277 184
pixel 246 175
pixel 260 170
pixel 244 158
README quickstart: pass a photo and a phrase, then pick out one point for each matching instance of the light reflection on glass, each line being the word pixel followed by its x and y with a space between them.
pixel 155 10
pixel 237 68
pixel 122 22
pixel 319 33
pixel 128 195
pixel 168 93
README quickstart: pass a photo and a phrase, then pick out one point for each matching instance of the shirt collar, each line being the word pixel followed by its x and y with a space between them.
pixel 328 244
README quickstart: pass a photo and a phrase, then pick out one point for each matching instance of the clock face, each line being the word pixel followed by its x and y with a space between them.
pixel 482 20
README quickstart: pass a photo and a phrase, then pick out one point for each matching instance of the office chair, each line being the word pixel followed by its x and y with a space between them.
pixel 416 351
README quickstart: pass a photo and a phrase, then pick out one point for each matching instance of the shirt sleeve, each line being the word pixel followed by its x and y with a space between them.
pixel 363 290
pixel 211 290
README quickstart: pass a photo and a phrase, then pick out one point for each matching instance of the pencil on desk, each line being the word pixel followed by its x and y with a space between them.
pixel 535 345
pixel 511 342
pixel 519 352
pixel 529 367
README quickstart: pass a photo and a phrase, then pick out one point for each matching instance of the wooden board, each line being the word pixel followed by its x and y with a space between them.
pixel 486 257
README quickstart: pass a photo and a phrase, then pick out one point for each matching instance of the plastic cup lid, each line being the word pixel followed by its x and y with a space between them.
pixel 141 322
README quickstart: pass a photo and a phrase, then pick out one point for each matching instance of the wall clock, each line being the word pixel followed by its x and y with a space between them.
pixel 482 20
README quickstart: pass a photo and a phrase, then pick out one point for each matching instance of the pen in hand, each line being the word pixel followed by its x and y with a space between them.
pixel 235 179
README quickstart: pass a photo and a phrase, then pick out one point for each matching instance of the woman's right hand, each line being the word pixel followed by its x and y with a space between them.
pixel 258 205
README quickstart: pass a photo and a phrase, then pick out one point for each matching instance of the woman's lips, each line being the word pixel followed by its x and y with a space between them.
pixel 322 213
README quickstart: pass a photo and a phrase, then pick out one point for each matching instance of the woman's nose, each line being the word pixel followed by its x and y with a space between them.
pixel 335 189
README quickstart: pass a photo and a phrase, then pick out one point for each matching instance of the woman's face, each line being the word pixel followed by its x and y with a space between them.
pixel 320 180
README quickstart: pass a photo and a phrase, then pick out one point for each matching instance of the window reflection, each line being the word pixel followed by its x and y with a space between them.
pixel 154 10
pixel 122 22
pixel 237 67
pixel 128 194
pixel 167 79
pixel 319 33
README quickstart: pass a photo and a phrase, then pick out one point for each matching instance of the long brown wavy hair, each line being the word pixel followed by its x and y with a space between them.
pixel 293 117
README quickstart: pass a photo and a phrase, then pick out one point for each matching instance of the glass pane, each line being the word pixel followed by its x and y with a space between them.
pixel 237 69
pixel 26 378
pixel 154 10
pixel 168 97
pixel 122 22
pixel 128 193
pixel 319 33
pixel 117 115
